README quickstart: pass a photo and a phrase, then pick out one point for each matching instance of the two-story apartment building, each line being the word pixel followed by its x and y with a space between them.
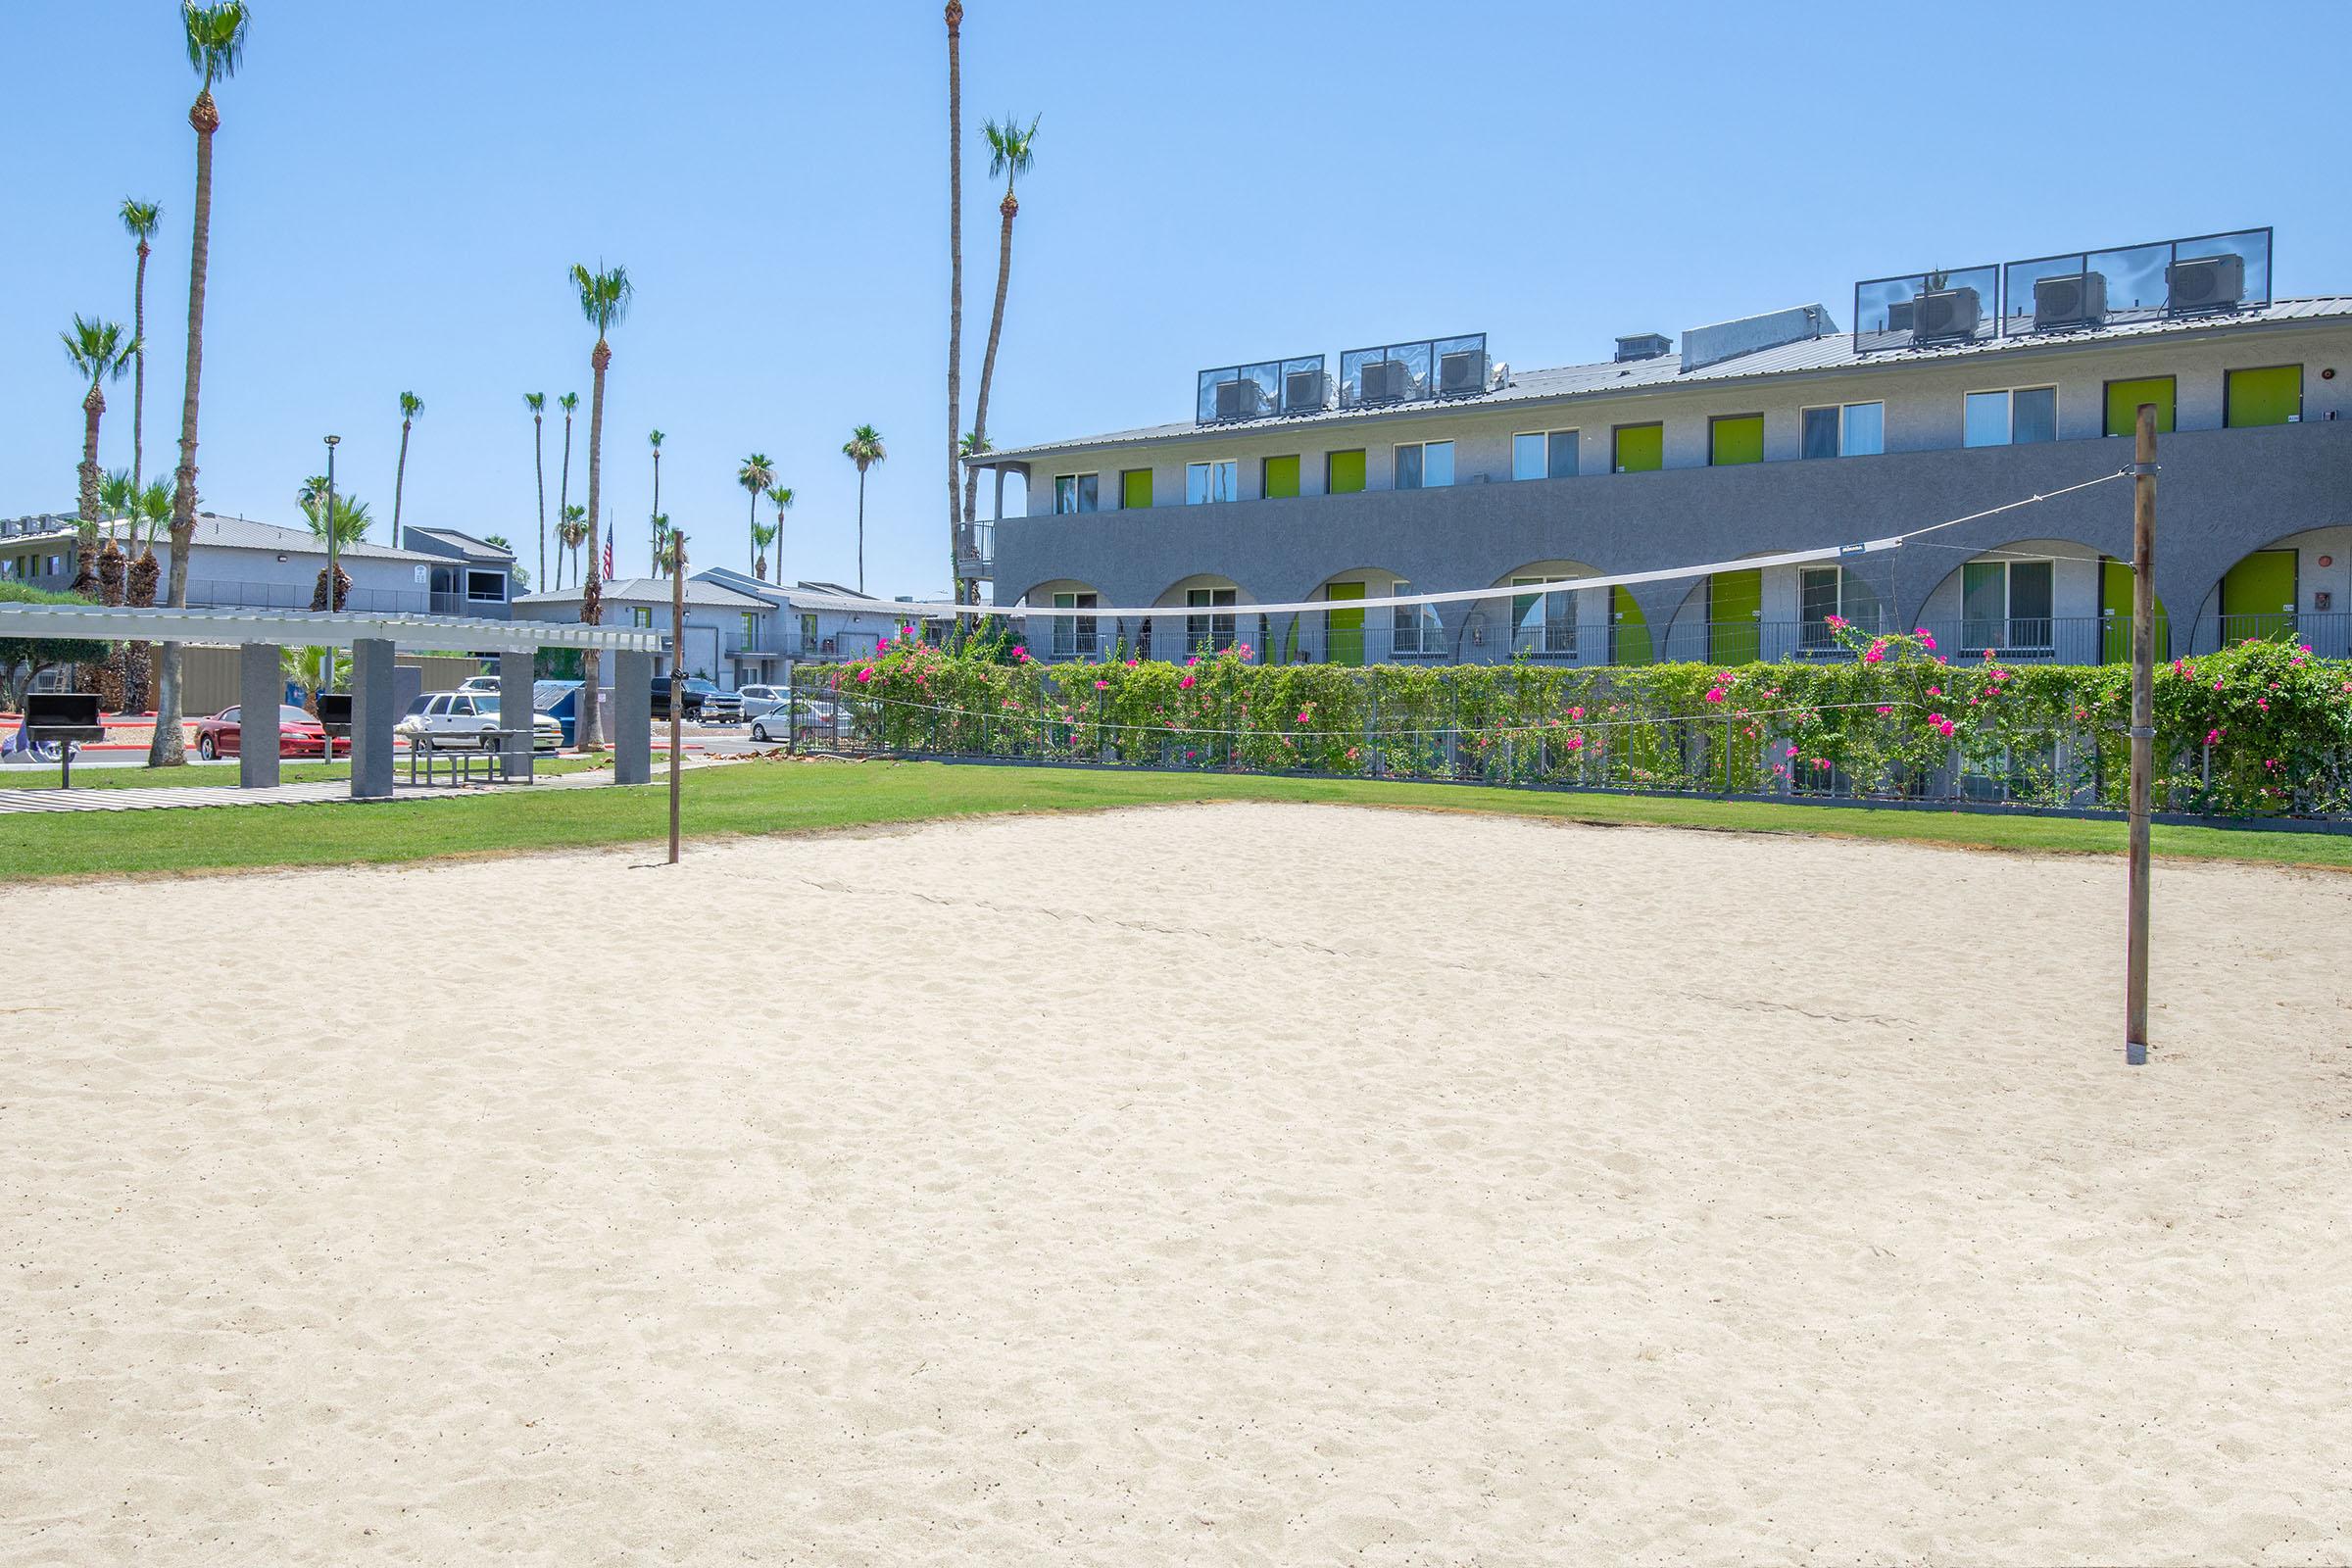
pixel 1431 465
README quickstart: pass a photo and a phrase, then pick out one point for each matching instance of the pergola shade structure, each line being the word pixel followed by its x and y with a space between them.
pixel 261 635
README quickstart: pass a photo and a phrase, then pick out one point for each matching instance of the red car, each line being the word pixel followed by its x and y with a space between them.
pixel 297 735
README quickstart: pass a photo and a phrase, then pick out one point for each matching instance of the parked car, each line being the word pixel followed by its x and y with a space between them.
pixel 480 683
pixel 704 703
pixel 468 720
pixel 759 700
pixel 221 734
pixel 811 719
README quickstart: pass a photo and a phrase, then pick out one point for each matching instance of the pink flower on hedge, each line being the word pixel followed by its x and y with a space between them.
pixel 1837 623
pixel 1999 675
pixel 2213 737
pixel 2263 702
pixel 865 674
pixel 1884 710
pixel 2217 685
pixel 1578 712
pixel 1876 652
pixel 1935 691
pixel 1576 743
pixel 1792 751
pixel 1194 659
pixel 1186 685
pixel 1303 715
pixel 1101 685
pixel 1926 638
pixel 1714 694
pixel 1020 653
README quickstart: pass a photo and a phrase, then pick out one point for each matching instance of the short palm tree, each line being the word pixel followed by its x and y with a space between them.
pixel 666 549
pixel 604 302
pixel 536 402
pixel 216 41
pixel 755 475
pixel 345 520
pixel 411 406
pixel 571 534
pixel 139 218
pixel 116 500
pixel 1010 152
pixel 764 534
pixel 99 352
pixel 864 449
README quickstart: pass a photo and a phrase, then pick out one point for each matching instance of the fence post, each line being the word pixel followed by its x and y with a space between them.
pixel 792 708
pixel 1727 756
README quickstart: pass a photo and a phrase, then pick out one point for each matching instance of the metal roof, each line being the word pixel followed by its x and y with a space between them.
pixel 303 629
pixel 1833 353
pixel 652 591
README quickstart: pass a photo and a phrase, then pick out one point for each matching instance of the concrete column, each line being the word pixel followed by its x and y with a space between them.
pixel 261 688
pixel 633 718
pixel 373 713
pixel 515 711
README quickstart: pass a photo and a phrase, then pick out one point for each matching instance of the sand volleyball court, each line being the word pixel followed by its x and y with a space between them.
pixel 1233 1183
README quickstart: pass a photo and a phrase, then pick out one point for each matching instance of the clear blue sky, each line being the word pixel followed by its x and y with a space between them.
pixel 401 189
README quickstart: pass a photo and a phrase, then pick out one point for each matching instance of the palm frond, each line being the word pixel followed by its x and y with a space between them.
pixel 603 295
pixel 757 474
pixel 100 350
pixel 215 36
pixel 781 495
pixel 141 218
pixel 1010 149
pixel 568 401
pixel 864 447
pixel 411 405
pixel 536 402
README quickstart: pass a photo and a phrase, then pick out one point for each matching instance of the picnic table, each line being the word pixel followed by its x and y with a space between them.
pixel 462 755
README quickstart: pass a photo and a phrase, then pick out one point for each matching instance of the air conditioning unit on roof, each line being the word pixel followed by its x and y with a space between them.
pixel 1945 314
pixel 2205 284
pixel 1385 381
pixel 2071 298
pixel 1238 400
pixel 1305 392
pixel 1461 373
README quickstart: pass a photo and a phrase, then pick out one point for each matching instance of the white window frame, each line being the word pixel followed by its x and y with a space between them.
pixel 1546 438
pixel 2009 618
pixel 1558 631
pixel 1210 626
pixel 1074 635
pixel 1414 630
pixel 1211 470
pixel 1843 410
pixel 2008 430
pixel 1422 447
pixel 1075 508
pixel 1806 642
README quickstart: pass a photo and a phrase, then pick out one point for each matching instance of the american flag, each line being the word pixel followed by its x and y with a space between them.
pixel 607 571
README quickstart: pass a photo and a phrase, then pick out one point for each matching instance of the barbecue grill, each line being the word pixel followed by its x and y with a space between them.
pixel 68 719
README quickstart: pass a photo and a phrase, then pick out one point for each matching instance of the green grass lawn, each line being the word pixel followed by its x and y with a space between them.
pixel 802 796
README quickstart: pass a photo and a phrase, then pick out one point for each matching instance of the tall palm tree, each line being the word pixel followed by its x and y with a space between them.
pixel 216 39
pixel 654 438
pixel 570 535
pixel 1010 152
pixel 139 218
pixel 755 475
pixel 665 550
pixel 781 495
pixel 569 403
pixel 864 449
pixel 99 352
pixel 411 406
pixel 604 301
pixel 536 402
pixel 764 534
pixel 955 19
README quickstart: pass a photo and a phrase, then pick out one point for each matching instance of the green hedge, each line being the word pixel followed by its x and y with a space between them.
pixel 2257 729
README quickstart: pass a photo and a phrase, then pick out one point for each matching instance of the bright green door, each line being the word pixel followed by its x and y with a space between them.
pixel 1280 478
pixel 1735 439
pixel 1343 629
pixel 1135 488
pixel 2115 606
pixel 2123 399
pixel 2271 396
pixel 2258 597
pixel 1734 602
pixel 1629 629
pixel 1640 448
pixel 1344 472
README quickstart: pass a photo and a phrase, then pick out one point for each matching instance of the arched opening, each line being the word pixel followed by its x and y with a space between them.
pixel 1542 621
pixel 2296 588
pixel 2048 601
pixel 1213 620
pixel 1354 636
pixel 1066 636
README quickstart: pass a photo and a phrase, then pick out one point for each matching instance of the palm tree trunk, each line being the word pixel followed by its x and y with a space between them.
pixel 988 361
pixel 861 530
pixel 954 21
pixel 138 382
pixel 564 488
pixel 400 479
pixel 85 544
pixel 539 471
pixel 592 609
pixel 168 747
pixel 753 533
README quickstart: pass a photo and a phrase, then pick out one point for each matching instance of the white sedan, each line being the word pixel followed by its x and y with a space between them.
pixel 470 720
pixel 813 720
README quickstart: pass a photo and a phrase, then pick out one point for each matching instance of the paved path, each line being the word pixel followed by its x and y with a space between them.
pixel 187 794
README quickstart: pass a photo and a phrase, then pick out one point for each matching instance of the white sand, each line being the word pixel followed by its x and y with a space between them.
pixel 1456 1191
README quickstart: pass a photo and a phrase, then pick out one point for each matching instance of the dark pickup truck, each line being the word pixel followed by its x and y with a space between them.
pixel 704 703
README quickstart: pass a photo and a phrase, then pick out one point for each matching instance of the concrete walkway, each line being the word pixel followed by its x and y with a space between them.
pixel 333 789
